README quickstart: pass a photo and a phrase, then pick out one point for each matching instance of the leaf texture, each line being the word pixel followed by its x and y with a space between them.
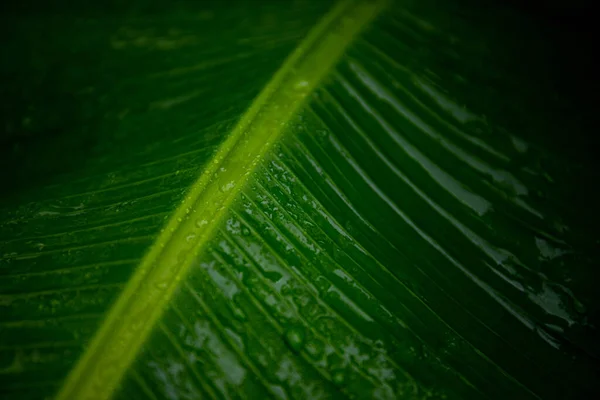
pixel 393 243
pixel 149 119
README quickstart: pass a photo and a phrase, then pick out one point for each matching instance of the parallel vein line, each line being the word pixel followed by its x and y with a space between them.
pixel 358 169
pixel 28 295
pixel 87 228
pixel 68 269
pixel 143 386
pixel 307 325
pixel 48 321
pixel 268 316
pixel 475 239
pixel 255 370
pixel 302 278
pixel 119 339
pixel 73 248
pixel 340 193
pixel 207 387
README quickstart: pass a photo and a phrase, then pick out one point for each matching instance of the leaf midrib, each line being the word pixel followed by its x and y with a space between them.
pixel 140 305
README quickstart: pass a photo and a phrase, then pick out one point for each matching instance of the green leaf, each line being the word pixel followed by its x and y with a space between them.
pixel 291 200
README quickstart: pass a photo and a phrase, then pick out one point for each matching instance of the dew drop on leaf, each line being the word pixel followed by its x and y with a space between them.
pixel 295 337
pixel 239 314
pixel 301 85
pixel 227 186
pixel 338 377
pixel 314 349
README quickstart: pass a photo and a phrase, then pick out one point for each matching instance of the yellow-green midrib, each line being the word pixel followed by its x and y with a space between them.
pixel 140 305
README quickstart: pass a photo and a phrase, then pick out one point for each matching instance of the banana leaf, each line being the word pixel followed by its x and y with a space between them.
pixel 294 199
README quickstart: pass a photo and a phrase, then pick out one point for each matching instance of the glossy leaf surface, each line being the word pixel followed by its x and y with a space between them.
pixel 232 223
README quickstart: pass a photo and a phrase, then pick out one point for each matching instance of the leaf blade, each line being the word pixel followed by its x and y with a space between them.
pixel 140 304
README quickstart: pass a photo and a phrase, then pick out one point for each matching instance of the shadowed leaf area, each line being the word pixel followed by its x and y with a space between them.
pixel 297 200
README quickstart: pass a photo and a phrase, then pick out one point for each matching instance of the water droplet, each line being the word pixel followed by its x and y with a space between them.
pixel 322 136
pixel 338 254
pixel 286 290
pixel 295 336
pixel 345 243
pixel 161 285
pixel 351 228
pixel 191 237
pixel 245 231
pixel 338 376
pixel 579 307
pixel 227 187
pixel 179 220
pixel 201 222
pixel 239 314
pixel 314 349
pixel 300 85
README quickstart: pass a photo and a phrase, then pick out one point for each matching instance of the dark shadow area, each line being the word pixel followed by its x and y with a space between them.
pixel 47 117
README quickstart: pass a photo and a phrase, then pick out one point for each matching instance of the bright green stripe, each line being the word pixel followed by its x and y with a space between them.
pixel 128 324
